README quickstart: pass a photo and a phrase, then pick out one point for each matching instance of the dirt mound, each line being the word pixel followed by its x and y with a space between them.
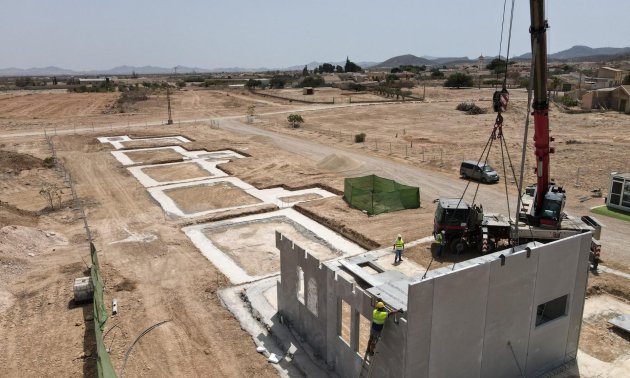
pixel 22 241
pixel 18 162
pixel 338 163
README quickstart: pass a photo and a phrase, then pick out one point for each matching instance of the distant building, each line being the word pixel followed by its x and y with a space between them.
pixel 93 80
pixel 616 75
pixel 619 192
pixel 608 98
pixel 481 62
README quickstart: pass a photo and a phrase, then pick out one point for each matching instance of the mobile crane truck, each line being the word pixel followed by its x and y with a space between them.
pixel 541 214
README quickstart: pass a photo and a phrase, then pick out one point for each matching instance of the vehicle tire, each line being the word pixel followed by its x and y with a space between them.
pixel 457 246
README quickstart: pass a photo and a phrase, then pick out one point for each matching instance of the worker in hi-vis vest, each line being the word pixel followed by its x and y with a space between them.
pixel 399 247
pixel 441 240
pixel 379 316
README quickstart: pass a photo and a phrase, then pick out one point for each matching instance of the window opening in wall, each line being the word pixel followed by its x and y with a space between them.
pixel 345 322
pixel 300 284
pixel 311 296
pixel 364 334
pixel 551 310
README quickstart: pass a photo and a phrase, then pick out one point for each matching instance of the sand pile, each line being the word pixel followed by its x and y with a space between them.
pixel 22 241
pixel 18 162
pixel 338 163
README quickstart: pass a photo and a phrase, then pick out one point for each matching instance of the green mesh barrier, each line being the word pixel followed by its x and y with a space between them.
pixel 377 195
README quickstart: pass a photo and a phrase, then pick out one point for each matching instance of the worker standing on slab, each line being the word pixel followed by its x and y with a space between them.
pixel 399 247
pixel 379 315
pixel 441 240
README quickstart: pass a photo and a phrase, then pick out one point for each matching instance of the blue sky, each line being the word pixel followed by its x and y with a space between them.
pixel 278 33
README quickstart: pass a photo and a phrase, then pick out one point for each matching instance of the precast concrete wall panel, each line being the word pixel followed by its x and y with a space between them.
pixel 579 294
pixel 390 350
pixel 557 267
pixel 458 322
pixel 508 318
pixel 419 317
pixel 311 327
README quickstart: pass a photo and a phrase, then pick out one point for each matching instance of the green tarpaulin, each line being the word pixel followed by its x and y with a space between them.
pixel 103 361
pixel 378 195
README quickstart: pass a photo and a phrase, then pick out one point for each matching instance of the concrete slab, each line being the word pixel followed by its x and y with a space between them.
pixel 160 194
pixel 140 172
pixel 269 196
pixel 123 155
pixel 231 268
pixel 622 321
pixel 118 141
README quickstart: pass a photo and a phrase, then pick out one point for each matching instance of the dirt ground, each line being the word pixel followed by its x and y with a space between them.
pixel 599 338
pixel 416 133
pixel 326 94
pixel 194 199
pixel 165 277
pixel 154 156
pixel 176 172
pixel 253 245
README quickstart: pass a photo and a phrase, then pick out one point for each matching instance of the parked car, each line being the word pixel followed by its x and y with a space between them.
pixel 471 169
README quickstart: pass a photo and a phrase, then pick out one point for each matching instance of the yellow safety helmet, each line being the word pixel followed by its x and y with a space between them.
pixel 380 305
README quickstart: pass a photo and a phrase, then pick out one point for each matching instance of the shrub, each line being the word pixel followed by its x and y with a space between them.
pixel 470 108
pixel 359 138
pixel 295 120
pixel 356 87
pixel 252 83
pixel 458 80
pixel 277 82
pixel 49 162
pixel 568 101
pixel 436 73
pixel 312 81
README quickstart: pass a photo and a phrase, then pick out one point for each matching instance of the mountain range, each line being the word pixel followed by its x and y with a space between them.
pixel 573 53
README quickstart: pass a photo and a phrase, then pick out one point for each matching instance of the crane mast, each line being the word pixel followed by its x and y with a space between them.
pixel 548 198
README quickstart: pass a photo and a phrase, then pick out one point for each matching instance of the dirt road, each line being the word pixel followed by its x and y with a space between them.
pixel 434 184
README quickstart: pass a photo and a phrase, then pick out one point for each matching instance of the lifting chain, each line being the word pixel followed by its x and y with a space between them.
pixel 499 104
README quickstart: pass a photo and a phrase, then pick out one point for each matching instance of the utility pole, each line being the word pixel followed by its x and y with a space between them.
pixel 168 99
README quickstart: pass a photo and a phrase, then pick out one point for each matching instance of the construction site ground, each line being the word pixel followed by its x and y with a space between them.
pixel 156 273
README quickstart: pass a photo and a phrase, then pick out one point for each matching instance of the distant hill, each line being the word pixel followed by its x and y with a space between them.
pixel 577 52
pixel 459 60
pixel 574 53
pixel 404 60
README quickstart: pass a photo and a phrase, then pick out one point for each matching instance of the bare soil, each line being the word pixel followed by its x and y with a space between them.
pixel 193 199
pixel 163 279
pixel 154 156
pixel 369 231
pixel 253 245
pixel 599 338
pixel 169 279
pixel 14 162
pixel 176 172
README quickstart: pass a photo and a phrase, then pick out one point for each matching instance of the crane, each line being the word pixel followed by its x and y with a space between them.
pixel 548 198
pixel 540 209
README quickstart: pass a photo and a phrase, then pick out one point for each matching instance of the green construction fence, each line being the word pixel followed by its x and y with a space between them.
pixel 377 195
pixel 104 365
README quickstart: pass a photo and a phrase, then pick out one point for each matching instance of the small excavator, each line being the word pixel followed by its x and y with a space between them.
pixel 541 215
